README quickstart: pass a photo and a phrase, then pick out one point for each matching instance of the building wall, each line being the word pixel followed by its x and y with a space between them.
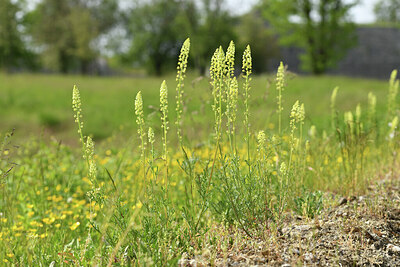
pixel 375 56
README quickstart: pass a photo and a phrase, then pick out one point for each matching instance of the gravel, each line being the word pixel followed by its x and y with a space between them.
pixel 350 231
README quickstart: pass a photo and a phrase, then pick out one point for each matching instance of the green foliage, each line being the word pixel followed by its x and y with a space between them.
pixel 66 31
pixel 309 204
pixel 322 28
pixel 387 11
pixel 158 28
pixel 119 207
pixel 252 29
pixel 215 27
pixel 13 53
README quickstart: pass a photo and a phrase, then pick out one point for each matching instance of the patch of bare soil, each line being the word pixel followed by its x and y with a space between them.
pixel 355 231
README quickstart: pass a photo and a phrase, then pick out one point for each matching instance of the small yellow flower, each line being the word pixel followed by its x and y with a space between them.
pixel 30 214
pixel 4 220
pixel 57 225
pixel 58 187
pixel 48 220
pixel 30 206
pixel 10 255
pixel 138 205
pixel 17 228
pixel 108 152
pixel 74 226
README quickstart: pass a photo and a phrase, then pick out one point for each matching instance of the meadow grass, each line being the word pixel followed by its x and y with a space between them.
pixel 33 103
pixel 154 196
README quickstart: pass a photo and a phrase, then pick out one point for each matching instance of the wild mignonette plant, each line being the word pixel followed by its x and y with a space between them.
pixel 164 124
pixel 246 72
pixel 248 183
pixel 180 77
pixel 333 108
pixel 141 131
pixel 392 95
pixel 280 83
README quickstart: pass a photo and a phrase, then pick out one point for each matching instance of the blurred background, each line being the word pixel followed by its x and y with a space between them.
pixel 113 48
pixel 122 37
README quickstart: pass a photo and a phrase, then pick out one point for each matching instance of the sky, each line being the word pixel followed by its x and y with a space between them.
pixel 362 13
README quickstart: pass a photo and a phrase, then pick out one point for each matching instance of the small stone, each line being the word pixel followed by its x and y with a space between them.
pixel 308 257
pixel 342 201
pixel 393 248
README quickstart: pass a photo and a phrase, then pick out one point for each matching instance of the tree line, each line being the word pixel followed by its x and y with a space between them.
pixel 67 36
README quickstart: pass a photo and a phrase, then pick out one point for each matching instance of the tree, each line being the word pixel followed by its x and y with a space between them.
pixel 216 27
pixel 322 28
pixel 157 29
pixel 252 30
pixel 66 31
pixel 387 11
pixel 12 50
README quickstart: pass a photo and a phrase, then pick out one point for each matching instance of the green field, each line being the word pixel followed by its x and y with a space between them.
pixel 35 104
pixel 138 199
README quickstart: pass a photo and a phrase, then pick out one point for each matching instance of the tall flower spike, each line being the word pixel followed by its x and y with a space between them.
pixel 246 71
pixel 283 169
pixel 393 90
pixel 302 114
pixel 295 117
pixel 180 77
pixel 150 135
pixel 90 159
pixel 371 109
pixel 216 74
pixel 261 140
pixel 349 121
pixel 280 83
pixel 230 61
pixel 76 106
pixel 140 121
pixel 333 107
pixel 358 113
pixel 294 114
pixel 164 116
pixel 231 107
pixel 393 126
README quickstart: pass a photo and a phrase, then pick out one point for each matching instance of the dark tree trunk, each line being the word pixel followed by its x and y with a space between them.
pixel 63 61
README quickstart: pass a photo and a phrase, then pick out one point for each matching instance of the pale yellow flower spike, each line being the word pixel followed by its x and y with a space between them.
pixel 180 77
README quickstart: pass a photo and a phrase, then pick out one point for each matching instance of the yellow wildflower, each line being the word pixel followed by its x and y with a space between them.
pixel 74 226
